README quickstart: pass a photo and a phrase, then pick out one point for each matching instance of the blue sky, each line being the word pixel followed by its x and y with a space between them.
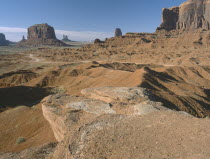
pixel 82 19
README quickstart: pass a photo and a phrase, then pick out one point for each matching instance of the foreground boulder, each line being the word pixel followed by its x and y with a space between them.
pixel 41 34
pixel 190 15
pixel 65 113
pixel 120 122
pixel 3 41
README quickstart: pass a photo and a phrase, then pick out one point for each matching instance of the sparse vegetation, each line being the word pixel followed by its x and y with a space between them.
pixel 58 90
pixel 20 140
pixel 11 50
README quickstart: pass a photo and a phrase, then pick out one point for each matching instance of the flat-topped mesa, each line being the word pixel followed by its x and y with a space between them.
pixel 190 15
pixel 43 31
pixel 41 34
pixel 3 41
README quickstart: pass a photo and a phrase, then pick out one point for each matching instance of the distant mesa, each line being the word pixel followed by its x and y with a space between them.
pixel 190 15
pixel 41 34
pixel 41 31
pixel 118 32
pixel 3 41
pixel 66 38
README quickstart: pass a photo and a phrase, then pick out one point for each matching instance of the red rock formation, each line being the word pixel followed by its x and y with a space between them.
pixel 194 14
pixel 169 18
pixel 191 15
pixel 41 34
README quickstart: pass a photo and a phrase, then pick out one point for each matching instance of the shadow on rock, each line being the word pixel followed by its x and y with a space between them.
pixel 21 95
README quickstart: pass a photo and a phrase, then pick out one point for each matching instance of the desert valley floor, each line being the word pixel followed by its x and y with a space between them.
pixel 174 68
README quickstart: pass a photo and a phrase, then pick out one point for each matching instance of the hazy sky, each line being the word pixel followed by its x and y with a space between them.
pixel 82 19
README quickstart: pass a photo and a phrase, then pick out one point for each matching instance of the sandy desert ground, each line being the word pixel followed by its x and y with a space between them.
pixel 174 67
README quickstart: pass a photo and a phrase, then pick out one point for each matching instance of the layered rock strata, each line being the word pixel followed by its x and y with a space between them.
pixel 191 15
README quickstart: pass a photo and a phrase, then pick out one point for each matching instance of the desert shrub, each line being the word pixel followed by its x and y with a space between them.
pixel 20 140
pixel 57 90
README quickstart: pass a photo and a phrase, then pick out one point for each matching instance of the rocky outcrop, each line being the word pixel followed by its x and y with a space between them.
pixel 122 122
pixel 65 38
pixel 68 112
pixel 3 41
pixel 23 39
pixel 190 15
pixel 119 122
pixel 118 32
pixel 110 94
pixel 57 109
pixel 169 18
pixel 97 41
pixel 194 14
pixel 41 34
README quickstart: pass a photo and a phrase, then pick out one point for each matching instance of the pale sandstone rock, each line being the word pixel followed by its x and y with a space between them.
pixel 109 94
pixel 63 112
pixel 92 128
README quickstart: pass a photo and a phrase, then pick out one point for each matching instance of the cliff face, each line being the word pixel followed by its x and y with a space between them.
pixel 41 31
pixel 193 14
pixel 169 18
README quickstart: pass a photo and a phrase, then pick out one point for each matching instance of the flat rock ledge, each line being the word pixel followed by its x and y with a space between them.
pixel 119 122
pixel 64 112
